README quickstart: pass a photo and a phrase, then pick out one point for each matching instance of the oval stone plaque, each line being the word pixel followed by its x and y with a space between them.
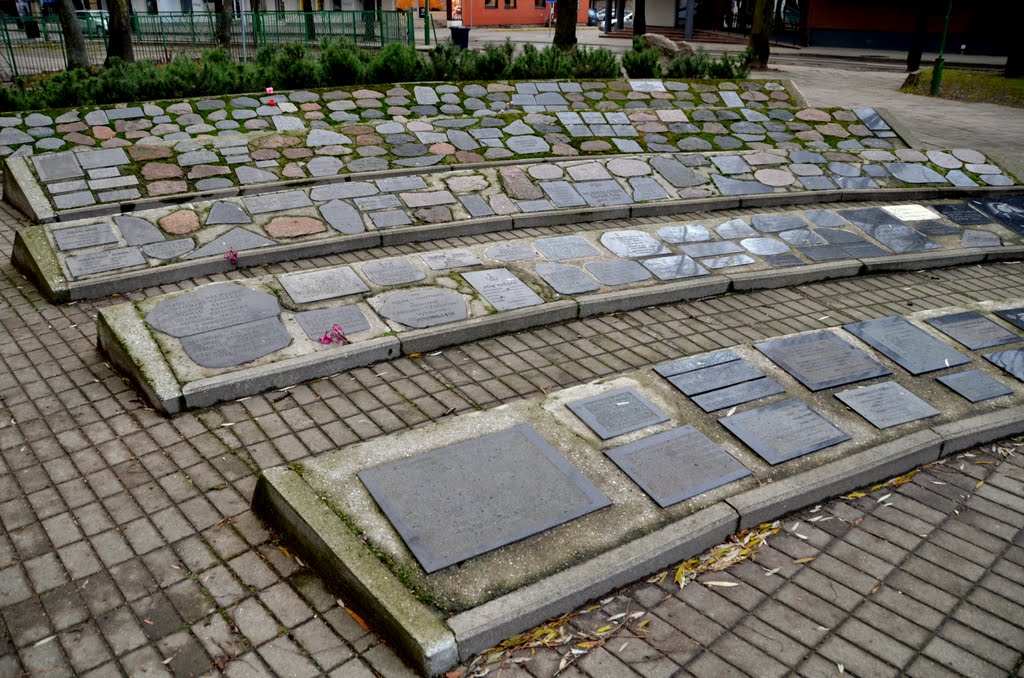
pixel 212 307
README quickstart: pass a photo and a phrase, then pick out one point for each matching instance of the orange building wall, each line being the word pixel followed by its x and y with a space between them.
pixel 474 13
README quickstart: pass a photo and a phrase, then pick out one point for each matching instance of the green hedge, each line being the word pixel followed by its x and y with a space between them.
pixel 338 63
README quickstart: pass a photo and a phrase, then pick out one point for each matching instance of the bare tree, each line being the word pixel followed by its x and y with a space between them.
pixel 119 32
pixel 639 17
pixel 760 35
pixel 565 23
pixel 74 43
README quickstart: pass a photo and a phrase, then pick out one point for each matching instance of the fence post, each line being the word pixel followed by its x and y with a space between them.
pixel 163 38
pixel 10 52
pixel 426 25
pixel 412 29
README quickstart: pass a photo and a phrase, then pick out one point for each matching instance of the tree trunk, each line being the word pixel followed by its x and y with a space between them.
pixel 307 7
pixel 639 17
pixel 620 13
pixel 565 23
pixel 119 32
pixel 225 14
pixel 917 40
pixel 760 32
pixel 74 43
pixel 1015 60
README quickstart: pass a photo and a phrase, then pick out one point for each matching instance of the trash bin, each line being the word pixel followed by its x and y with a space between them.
pixel 460 36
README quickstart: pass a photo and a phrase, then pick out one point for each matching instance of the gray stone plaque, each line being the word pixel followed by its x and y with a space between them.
pixel 56 166
pixel 1008 210
pixel 617 272
pixel 425 307
pixel 784 430
pixel 274 202
pixel 603 193
pixel 343 217
pixel 137 231
pixel 227 213
pixel 327 283
pixel 613 414
pixel 446 259
pixel 715 377
pixel 673 268
pixel 472 497
pixel 822 360
pixel 677 465
pixel 237 239
pixel 1011 362
pixel 974 385
pixel 696 363
pixel 317 323
pixel 389 272
pixel 973 330
pixel 633 244
pixel 566 279
pixel 506 252
pixel 910 347
pixel 80 237
pixel 562 194
pixel 238 344
pixel 101 262
pixel 774 223
pixel 212 307
pixel 502 290
pixel 169 249
pixel 566 247
pixel 684 233
pixel 737 394
pixel 887 404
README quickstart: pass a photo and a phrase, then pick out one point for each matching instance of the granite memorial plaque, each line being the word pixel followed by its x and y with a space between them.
pixel 910 212
pixel 973 330
pixel 446 259
pixel 784 430
pixel 974 385
pixel 236 239
pixel 424 307
pixel 737 394
pixel 327 283
pixel 1014 316
pixel 137 231
pixel 390 272
pixel 103 261
pixel 908 346
pixel 508 252
pixel 617 272
pixel 318 323
pixel 963 214
pixel 603 193
pixel 504 291
pixel 466 499
pixel 887 404
pixel 822 360
pixel 618 412
pixel 1009 211
pixel 696 363
pixel 80 237
pixel 674 268
pixel 238 344
pixel 684 233
pixel 566 279
pixel 276 202
pixel 1011 362
pixel 566 247
pixel 169 249
pixel 633 244
pixel 212 307
pixel 715 377
pixel 677 465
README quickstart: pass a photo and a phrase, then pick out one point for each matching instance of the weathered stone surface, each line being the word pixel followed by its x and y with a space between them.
pixel 294 227
pixel 422 308
pixel 181 222
pixel 137 231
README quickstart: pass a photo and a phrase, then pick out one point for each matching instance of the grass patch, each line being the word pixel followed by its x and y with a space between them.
pixel 992 88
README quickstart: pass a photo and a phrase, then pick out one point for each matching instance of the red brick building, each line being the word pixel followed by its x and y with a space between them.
pixel 512 12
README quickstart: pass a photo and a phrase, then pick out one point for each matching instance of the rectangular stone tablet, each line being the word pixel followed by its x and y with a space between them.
pixel 974 385
pixel 1014 316
pixel 822 360
pixel 973 330
pixel 472 497
pixel 738 394
pixel 80 237
pixel 784 430
pixel 677 465
pixel 910 347
pixel 502 290
pixel 323 284
pixel 886 405
pixel 963 214
pixel 696 363
pixel 107 260
pixel 1011 362
pixel 715 377
pixel 618 412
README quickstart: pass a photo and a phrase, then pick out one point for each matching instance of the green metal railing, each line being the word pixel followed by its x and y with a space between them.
pixel 34 45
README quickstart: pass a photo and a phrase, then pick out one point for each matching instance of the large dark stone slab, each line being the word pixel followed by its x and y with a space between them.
pixel 472 497
pixel 737 394
pixel 328 283
pixel 389 272
pixel 212 307
pixel 962 214
pixel 822 360
pixel 784 430
pixel 565 247
pixel 910 347
pixel 974 385
pixel 237 344
pixel 424 307
pixel 696 363
pixel 317 323
pixel 613 414
pixel 1009 211
pixel 1014 316
pixel 887 404
pixel 504 291
pixel 1011 362
pixel 677 465
pixel 974 330
pixel 889 230
pixel 80 237
pixel 714 377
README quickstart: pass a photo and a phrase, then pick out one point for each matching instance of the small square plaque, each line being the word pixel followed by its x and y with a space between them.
pixel 822 360
pixel 974 385
pixel 973 330
pixel 784 430
pixel 910 347
pixel 504 291
pixel 676 465
pixel 472 497
pixel 886 405
pixel 618 412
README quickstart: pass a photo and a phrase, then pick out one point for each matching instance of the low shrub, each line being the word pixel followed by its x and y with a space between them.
pixel 641 61
pixel 700 64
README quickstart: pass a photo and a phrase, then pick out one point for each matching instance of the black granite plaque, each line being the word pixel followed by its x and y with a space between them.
pixel 908 346
pixel 973 330
pixel 618 412
pixel 963 214
pixel 822 360
pixel 502 290
pixel 974 385
pixel 887 404
pixel 80 237
pixel 424 307
pixel 696 363
pixel 327 283
pixel 1009 211
pixel 784 430
pixel 212 307
pixel 472 497
pixel 1011 362
pixel 1014 316
pixel 677 465
pixel 318 323
pixel 714 377
pixel 389 272
pixel 237 344
pixel 738 394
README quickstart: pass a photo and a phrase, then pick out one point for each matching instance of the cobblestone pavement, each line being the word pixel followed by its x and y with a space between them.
pixel 128 546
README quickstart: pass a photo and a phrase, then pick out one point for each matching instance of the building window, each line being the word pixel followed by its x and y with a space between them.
pixel 490 4
pixel 539 4
pixel 510 4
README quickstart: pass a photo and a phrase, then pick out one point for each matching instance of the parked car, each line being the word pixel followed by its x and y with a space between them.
pixel 596 18
pixel 93 22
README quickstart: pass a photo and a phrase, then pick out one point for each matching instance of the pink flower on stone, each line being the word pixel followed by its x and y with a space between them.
pixel 232 257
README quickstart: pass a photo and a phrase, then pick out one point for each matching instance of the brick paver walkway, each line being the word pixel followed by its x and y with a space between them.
pixel 128 547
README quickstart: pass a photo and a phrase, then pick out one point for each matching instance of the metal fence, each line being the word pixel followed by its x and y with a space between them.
pixel 35 45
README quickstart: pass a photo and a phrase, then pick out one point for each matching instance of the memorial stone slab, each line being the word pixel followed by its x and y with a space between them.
pixel 936 228
pixel 566 279
pixel 447 259
pixel 527 145
pixel 318 323
pixel 646 189
pixel 734 228
pixel 889 230
pixel 774 223
pixel 973 330
pixel 764 246
pixel 504 291
pixel 616 413
pixel 1011 362
pixel 676 173
pixel 909 346
pixel 390 272
pixel 103 261
pixel 212 307
pixel 784 430
pixel 974 385
pixel 508 252
pixel 1008 211
pixel 603 193
pixel 712 249
pixel 56 166
pixel 715 377
pixel 427 307
pixel 696 363
pixel 342 217
pixel 466 499
pixel 910 212
pixel 632 244
pixel 613 273
pixel 730 186
pixel 227 213
pixel 1014 316
pixel 328 283
pixel 137 231
pixel 274 202
pixel 684 233
pixel 169 249
pixel 81 237
pixel 237 344
pixel 737 394
pixel 963 214
pixel 107 157
pixel 912 173
pixel 821 360
pixel 677 465
pixel 674 267
pixel 887 404
pixel 566 247
pixel 562 194
pixel 727 261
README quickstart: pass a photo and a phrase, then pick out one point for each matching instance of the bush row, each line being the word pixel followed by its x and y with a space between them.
pixel 643 61
pixel 337 63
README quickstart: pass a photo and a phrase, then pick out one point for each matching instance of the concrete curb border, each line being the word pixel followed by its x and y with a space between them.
pixel 291 507
pixel 57 288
